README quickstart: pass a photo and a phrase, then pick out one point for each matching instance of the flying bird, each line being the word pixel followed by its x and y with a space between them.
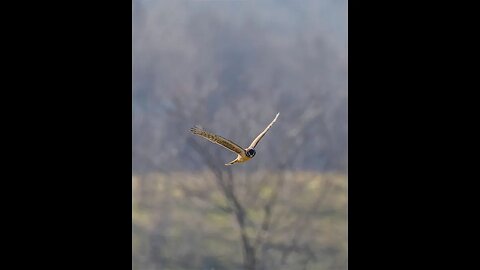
pixel 242 154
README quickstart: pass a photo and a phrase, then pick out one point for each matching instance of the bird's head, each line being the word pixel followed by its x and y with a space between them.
pixel 250 153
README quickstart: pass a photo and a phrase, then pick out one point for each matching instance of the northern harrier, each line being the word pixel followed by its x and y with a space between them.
pixel 243 154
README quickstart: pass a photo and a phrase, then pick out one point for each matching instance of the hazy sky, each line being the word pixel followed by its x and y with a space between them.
pixel 211 59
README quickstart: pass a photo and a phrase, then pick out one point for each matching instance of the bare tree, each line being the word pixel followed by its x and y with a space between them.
pixel 231 70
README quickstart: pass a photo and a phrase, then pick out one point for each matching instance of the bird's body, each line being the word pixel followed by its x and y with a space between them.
pixel 243 155
pixel 246 156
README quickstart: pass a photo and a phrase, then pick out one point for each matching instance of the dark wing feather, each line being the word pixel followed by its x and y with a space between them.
pixel 260 136
pixel 218 140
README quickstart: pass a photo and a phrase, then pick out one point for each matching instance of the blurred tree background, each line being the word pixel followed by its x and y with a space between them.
pixel 230 66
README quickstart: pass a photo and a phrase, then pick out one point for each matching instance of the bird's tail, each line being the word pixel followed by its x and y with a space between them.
pixel 232 162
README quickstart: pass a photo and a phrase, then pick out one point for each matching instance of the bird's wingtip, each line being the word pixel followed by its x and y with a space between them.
pixel 196 128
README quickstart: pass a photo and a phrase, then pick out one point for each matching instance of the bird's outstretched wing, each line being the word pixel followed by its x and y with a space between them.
pixel 218 140
pixel 260 136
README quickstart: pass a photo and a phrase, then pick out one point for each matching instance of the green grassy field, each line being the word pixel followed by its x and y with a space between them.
pixel 184 221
